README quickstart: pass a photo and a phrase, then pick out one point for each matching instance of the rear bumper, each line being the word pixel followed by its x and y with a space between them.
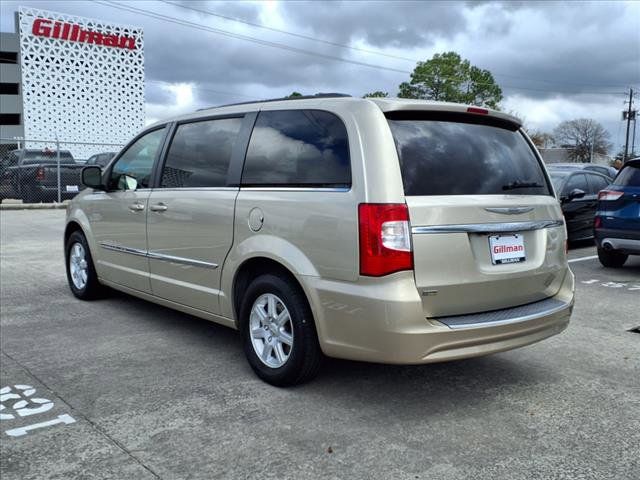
pixel 625 241
pixel 388 325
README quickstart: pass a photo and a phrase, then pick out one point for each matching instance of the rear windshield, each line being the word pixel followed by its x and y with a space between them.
pixel 629 176
pixel 47 157
pixel 459 158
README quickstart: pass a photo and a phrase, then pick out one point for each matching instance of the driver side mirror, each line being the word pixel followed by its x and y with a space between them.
pixel 92 177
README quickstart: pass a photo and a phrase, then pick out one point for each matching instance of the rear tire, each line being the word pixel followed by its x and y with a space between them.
pixel 611 258
pixel 81 274
pixel 278 331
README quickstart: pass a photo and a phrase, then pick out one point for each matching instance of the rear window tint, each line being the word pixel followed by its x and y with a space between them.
pixel 458 158
pixel 31 158
pixel 307 148
pixel 628 177
pixel 200 153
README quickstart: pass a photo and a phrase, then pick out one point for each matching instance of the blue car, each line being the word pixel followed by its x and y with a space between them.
pixel 617 221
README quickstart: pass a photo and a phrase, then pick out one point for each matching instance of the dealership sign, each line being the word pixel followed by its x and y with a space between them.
pixel 43 27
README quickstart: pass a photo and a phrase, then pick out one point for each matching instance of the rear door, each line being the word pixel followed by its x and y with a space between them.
pixel 486 230
pixel 624 212
pixel 190 220
pixel 579 212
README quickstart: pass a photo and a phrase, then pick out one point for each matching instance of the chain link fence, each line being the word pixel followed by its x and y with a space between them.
pixel 41 171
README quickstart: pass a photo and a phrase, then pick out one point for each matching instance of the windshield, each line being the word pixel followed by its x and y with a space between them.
pixel 456 158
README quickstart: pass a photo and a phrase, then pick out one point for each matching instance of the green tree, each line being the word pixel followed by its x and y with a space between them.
pixel 449 78
pixel 376 94
pixel 294 94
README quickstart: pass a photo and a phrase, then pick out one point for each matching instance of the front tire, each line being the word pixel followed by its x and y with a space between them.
pixel 278 331
pixel 611 258
pixel 81 273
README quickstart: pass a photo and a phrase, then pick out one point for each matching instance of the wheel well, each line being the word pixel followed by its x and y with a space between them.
pixel 252 268
pixel 70 228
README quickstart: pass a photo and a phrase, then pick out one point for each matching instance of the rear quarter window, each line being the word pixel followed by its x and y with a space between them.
pixel 459 158
pixel 298 148
pixel 629 176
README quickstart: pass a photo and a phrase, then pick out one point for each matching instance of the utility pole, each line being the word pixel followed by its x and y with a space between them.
pixel 633 135
pixel 626 143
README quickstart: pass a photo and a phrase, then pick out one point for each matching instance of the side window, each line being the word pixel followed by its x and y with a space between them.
pixel 103 159
pixel 137 162
pixel 200 153
pixel 298 148
pixel 596 183
pixel 578 180
pixel 92 160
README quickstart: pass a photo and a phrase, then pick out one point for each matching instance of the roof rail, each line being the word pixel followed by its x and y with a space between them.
pixel 301 97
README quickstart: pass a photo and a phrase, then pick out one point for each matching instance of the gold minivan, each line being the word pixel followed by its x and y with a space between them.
pixel 381 230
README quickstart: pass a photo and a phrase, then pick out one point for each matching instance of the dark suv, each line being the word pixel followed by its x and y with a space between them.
pixel 617 221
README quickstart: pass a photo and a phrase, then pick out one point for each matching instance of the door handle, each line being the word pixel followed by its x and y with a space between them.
pixel 136 207
pixel 158 207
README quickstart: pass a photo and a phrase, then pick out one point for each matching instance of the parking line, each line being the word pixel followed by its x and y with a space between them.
pixel 581 259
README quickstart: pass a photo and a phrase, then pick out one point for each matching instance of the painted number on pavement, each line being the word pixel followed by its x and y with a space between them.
pixel 20 401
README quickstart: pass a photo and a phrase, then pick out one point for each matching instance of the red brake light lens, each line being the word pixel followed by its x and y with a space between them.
pixel 609 195
pixel 385 238
pixel 597 222
pixel 40 174
pixel 478 110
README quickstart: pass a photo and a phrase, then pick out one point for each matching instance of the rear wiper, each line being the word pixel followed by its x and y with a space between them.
pixel 516 184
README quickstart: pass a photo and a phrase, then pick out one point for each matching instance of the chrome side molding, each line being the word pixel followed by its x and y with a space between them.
pixel 158 256
pixel 121 249
pixel 182 260
pixel 506 227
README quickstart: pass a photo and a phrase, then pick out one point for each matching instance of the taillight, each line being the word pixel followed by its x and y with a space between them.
pixel 609 195
pixel 385 239
pixel 40 174
pixel 597 222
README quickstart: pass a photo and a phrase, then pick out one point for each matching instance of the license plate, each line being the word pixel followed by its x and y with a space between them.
pixel 72 188
pixel 507 248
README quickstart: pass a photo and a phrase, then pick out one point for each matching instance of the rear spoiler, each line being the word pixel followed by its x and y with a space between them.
pixel 474 116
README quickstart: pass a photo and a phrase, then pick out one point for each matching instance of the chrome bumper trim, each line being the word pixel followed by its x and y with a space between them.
pixel 502 227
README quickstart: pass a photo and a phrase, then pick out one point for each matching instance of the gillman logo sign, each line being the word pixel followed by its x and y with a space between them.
pixel 43 27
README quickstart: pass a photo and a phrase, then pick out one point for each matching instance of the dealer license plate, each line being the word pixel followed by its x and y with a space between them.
pixel 72 188
pixel 507 248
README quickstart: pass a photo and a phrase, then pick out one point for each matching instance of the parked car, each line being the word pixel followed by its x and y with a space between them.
pixel 578 194
pixel 100 159
pixel 601 169
pixel 382 230
pixel 31 175
pixel 617 221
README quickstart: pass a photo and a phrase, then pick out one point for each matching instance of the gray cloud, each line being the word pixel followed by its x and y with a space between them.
pixel 381 24
pixel 538 52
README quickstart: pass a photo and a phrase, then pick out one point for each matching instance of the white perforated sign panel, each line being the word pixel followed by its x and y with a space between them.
pixel 82 79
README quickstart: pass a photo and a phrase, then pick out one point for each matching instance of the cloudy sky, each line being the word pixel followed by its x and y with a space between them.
pixel 554 61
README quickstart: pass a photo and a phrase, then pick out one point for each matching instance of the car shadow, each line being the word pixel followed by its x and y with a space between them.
pixel 421 389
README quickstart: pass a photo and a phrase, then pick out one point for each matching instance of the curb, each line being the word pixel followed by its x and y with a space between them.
pixel 32 206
